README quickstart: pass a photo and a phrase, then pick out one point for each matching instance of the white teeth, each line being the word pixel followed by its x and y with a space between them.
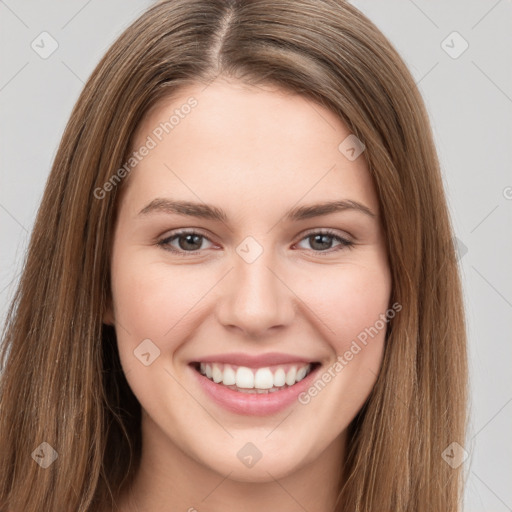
pixel 262 380
pixel 301 374
pixel 290 376
pixel 229 376
pixel 279 378
pixel 216 373
pixel 244 377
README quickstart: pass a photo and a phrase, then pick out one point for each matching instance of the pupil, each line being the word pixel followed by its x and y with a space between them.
pixel 321 240
pixel 191 239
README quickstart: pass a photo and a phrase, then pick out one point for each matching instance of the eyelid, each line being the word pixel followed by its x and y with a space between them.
pixel 327 231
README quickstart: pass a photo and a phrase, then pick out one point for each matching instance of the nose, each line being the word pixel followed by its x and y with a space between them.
pixel 255 298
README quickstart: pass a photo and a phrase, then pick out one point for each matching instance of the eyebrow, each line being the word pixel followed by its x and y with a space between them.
pixel 206 211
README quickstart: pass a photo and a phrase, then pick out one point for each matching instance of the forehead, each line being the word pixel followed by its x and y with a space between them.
pixel 228 139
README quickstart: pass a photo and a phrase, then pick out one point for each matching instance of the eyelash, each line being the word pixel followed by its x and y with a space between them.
pixel 344 243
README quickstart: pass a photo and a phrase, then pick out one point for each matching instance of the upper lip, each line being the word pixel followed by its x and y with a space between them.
pixel 255 361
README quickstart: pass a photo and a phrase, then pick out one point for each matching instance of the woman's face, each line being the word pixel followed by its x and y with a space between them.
pixel 262 286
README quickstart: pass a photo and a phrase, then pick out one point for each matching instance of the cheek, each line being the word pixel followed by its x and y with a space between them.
pixel 152 300
pixel 349 300
pixel 353 302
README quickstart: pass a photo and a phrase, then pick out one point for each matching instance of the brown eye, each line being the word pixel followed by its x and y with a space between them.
pixel 322 241
pixel 187 241
pixel 191 242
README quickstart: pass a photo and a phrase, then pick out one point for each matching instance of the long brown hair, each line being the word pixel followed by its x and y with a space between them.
pixel 62 381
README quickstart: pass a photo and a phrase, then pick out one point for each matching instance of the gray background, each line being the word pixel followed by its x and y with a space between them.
pixel 469 99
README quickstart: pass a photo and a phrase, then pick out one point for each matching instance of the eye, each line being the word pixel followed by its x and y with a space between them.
pixel 190 242
pixel 321 241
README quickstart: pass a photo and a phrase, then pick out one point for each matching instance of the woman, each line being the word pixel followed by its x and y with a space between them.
pixel 309 352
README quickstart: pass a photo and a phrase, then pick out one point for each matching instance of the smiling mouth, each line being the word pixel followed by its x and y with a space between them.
pixel 243 379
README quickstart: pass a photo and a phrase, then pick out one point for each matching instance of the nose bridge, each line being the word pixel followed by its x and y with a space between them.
pixel 254 298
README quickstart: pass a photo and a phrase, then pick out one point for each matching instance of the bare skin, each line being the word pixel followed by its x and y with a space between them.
pixel 254 153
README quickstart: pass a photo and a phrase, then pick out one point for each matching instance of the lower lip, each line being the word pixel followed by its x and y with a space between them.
pixel 254 404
